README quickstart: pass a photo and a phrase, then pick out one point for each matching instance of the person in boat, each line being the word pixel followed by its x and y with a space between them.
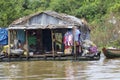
pixel 77 39
pixel 20 44
pixel 93 48
pixel 89 47
pixel 17 44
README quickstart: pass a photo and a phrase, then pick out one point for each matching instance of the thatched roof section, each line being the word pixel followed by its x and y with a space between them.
pixel 67 21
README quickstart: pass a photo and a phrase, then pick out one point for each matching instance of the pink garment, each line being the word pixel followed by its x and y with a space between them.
pixel 68 39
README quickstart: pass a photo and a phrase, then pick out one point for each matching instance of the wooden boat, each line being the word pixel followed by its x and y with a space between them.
pixel 17 51
pixel 55 57
pixel 111 53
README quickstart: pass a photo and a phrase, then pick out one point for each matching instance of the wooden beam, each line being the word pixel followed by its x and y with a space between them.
pixel 9 44
pixel 27 44
pixel 75 50
pixel 74 44
pixel 53 51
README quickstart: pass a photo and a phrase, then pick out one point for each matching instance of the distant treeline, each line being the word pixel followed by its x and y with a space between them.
pixel 89 9
pixel 96 12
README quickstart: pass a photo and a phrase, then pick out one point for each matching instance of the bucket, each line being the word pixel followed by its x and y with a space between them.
pixel 31 53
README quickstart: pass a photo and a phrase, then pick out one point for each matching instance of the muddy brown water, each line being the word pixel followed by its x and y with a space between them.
pixel 104 69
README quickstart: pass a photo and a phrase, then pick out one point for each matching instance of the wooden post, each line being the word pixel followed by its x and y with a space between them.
pixel 63 47
pixel 74 44
pixel 27 44
pixel 9 44
pixel 75 50
pixel 53 52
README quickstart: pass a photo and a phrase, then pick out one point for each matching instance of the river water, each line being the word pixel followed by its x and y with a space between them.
pixel 104 69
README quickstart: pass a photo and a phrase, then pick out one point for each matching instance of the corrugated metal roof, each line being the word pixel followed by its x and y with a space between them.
pixel 23 21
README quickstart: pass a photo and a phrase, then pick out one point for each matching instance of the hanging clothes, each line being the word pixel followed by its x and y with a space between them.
pixel 68 42
pixel 68 39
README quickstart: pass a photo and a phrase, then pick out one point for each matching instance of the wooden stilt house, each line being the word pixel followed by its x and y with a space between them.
pixel 39 31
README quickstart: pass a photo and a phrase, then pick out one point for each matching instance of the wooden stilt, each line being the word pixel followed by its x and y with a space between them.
pixel 9 44
pixel 74 44
pixel 62 46
pixel 75 50
pixel 53 52
pixel 27 45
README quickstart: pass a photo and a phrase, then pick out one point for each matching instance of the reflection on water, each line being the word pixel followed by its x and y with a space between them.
pixel 104 69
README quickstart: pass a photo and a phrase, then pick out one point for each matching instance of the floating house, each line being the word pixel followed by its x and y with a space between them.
pixel 41 34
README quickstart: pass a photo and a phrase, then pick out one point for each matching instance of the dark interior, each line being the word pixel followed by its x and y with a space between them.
pixel 47 40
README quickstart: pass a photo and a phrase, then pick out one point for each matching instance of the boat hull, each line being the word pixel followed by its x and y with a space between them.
pixel 111 53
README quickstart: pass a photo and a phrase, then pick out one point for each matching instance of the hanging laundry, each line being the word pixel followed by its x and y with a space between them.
pixel 68 42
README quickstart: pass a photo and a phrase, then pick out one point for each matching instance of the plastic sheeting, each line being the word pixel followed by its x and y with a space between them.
pixel 3 36
pixel 21 35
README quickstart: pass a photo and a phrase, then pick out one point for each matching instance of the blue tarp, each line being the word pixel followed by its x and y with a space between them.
pixel 3 36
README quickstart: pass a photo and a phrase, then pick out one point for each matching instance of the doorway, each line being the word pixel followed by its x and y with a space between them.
pixel 47 40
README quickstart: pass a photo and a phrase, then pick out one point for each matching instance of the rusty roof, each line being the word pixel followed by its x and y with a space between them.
pixel 61 16
pixel 20 23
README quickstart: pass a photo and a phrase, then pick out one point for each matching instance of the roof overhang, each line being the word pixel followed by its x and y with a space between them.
pixel 23 27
